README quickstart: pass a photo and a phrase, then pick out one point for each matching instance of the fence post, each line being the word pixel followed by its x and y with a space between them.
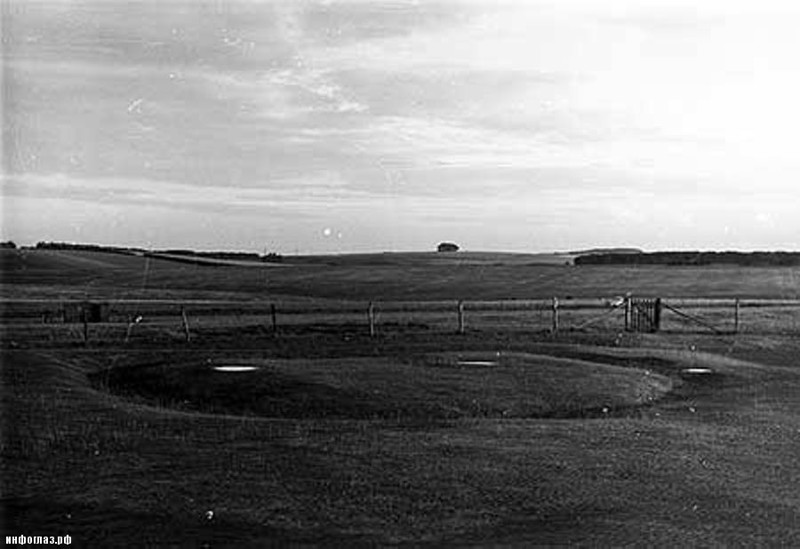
pixel 371 316
pixel 461 317
pixel 736 316
pixel 273 312
pixel 555 315
pixel 186 330
pixel 131 322
pixel 85 316
pixel 628 313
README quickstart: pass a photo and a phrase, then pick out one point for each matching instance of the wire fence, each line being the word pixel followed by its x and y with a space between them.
pixel 127 321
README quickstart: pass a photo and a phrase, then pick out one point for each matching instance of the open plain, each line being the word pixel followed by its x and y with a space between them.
pixel 187 417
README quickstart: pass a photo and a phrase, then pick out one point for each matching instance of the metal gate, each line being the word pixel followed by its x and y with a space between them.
pixel 643 315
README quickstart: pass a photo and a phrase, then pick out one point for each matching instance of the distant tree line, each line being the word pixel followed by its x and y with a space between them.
pixel 9 245
pixel 606 251
pixel 85 247
pixel 239 256
pixel 750 259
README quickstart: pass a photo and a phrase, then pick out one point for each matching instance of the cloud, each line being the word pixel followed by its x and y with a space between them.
pixel 292 197
pixel 401 113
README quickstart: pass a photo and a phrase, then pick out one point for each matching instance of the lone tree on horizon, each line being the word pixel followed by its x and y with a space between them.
pixel 447 247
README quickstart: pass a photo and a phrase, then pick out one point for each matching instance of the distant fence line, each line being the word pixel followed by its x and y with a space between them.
pixel 626 313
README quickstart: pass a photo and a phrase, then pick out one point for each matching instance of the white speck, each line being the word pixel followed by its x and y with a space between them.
pixel 135 105
pixel 209 515
pixel 692 409
pixel 172 76
pixel 235 368
pixel 476 363
pixel 696 370
pixel 326 231
pixel 605 409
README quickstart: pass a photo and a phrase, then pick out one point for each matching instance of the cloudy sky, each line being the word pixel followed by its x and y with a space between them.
pixel 335 126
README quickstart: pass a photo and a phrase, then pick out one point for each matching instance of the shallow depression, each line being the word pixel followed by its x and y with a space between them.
pixel 429 387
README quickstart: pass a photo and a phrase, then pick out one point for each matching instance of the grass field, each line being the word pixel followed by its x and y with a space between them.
pixel 322 435
pixel 423 277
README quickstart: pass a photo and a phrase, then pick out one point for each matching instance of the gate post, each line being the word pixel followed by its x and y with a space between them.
pixel 657 315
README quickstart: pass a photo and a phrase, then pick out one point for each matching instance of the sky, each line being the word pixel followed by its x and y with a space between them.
pixel 349 126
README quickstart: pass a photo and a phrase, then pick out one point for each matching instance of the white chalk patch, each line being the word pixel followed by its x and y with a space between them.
pixel 697 370
pixel 477 363
pixel 235 368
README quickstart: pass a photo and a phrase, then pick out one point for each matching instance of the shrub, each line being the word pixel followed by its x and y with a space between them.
pixel 447 247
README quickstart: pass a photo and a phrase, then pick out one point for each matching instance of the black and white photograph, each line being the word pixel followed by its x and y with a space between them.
pixel 424 273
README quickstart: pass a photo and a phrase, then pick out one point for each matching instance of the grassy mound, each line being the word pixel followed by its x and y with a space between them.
pixel 427 387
